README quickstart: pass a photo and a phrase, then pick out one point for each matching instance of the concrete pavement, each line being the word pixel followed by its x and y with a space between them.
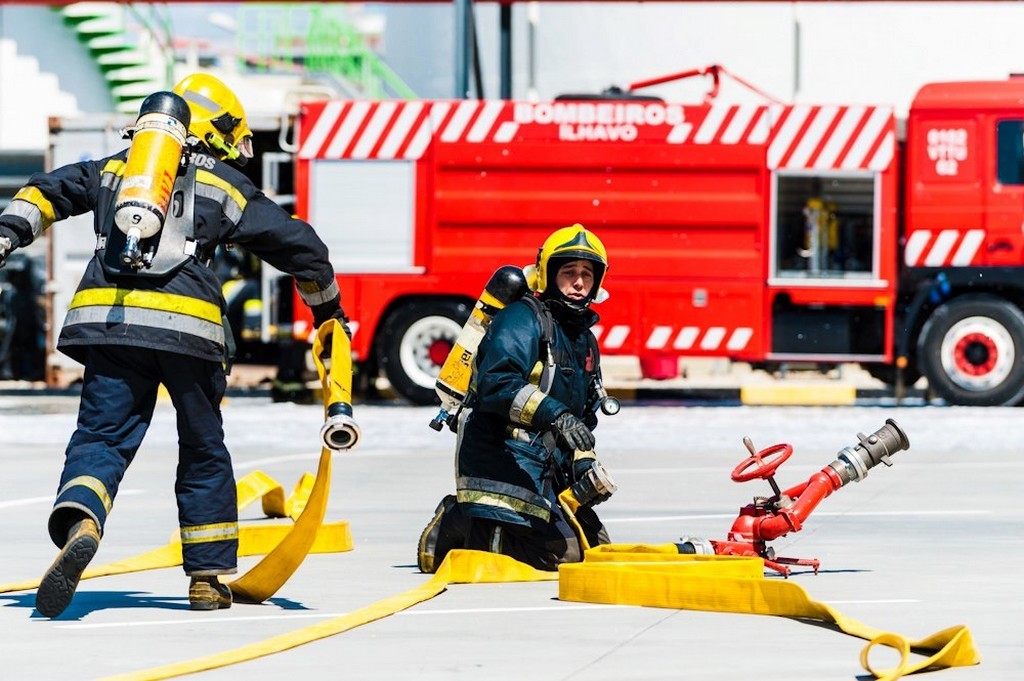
pixel 929 543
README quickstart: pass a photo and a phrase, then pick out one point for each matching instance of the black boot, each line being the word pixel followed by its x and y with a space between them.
pixel 447 530
pixel 207 593
pixel 59 583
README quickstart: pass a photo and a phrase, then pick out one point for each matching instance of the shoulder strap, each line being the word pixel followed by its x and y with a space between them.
pixel 595 350
pixel 547 333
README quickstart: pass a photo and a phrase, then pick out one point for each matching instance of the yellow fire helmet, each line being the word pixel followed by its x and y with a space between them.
pixel 569 243
pixel 218 118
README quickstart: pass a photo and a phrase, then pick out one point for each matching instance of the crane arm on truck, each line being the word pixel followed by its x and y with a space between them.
pixel 714 71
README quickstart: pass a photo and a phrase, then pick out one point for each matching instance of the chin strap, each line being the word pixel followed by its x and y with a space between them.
pixel 229 152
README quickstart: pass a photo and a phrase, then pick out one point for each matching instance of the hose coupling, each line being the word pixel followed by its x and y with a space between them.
pixel 853 463
pixel 340 430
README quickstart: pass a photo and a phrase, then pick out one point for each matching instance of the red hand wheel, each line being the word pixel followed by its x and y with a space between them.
pixel 762 464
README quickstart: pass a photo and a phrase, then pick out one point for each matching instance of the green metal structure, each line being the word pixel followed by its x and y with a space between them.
pixel 127 67
pixel 319 40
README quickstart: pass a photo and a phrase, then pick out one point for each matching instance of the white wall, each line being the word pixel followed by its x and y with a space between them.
pixel 27 98
pixel 863 52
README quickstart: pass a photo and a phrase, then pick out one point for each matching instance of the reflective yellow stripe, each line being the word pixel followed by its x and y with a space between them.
pixel 140 316
pixel 472 496
pixel 515 412
pixel 110 178
pixel 311 293
pixel 114 167
pixel 200 534
pixel 206 177
pixel 538 370
pixel 150 300
pixel 91 483
pixel 531 406
pixel 35 197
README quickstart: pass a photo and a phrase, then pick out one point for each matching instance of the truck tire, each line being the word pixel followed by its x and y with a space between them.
pixel 415 342
pixel 971 351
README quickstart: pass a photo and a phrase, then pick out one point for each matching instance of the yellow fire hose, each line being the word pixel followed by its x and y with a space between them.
pixel 643 575
pixel 460 567
pixel 570 505
pixel 264 579
pixel 284 547
pixel 253 540
pixel 658 576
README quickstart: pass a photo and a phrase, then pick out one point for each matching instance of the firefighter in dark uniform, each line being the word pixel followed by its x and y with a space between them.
pixel 135 330
pixel 526 434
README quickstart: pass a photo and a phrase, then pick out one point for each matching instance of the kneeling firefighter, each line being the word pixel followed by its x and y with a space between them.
pixel 149 311
pixel 525 432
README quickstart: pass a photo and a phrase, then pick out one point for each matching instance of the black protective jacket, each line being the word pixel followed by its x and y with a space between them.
pixel 182 311
pixel 510 466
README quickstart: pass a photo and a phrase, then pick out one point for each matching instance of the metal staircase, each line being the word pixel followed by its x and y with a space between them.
pixel 132 68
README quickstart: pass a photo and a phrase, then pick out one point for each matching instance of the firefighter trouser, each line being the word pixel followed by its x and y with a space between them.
pixel 542 545
pixel 119 395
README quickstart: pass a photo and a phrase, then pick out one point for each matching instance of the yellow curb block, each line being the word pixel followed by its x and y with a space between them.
pixel 799 395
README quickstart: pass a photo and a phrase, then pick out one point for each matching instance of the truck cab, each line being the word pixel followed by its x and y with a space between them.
pixel 963 240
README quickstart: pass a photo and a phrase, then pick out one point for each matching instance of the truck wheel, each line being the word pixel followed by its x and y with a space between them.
pixel 415 342
pixel 971 350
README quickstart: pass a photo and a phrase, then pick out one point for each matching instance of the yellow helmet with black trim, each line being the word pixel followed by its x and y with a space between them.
pixel 218 118
pixel 569 243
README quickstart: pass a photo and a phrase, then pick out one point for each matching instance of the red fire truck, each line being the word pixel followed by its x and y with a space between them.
pixel 765 233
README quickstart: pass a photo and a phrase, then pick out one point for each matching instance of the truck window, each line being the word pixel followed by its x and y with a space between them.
pixel 1010 152
pixel 825 226
pixel 365 212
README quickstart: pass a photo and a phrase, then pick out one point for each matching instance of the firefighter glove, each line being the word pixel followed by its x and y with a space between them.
pixel 573 431
pixel 5 250
pixel 338 314
pixel 581 465
pixel 593 484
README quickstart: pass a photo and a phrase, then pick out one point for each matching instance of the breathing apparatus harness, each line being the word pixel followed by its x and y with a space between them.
pixel 158 187
pixel 169 249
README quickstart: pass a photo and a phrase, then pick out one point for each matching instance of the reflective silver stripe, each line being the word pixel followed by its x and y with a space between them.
pixel 200 534
pixel 26 210
pixel 502 495
pixel 496 540
pixel 525 405
pixel 231 209
pixel 318 297
pixel 159 319
pixel 515 413
pixel 110 181
pixel 501 501
pixel 91 483
pixel 205 102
